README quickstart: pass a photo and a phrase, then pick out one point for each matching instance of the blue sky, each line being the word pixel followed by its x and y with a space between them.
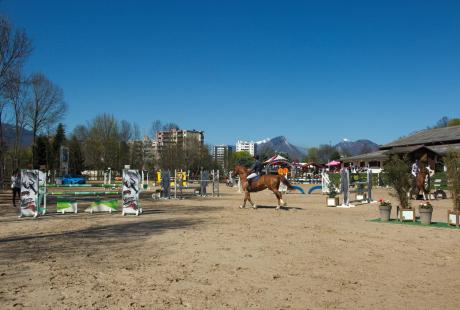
pixel 314 71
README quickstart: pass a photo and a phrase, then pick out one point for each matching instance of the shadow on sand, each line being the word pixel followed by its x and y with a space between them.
pixel 102 237
pixel 287 208
pixel 11 214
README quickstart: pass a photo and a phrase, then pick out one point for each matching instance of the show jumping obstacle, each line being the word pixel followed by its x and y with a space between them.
pixel 34 191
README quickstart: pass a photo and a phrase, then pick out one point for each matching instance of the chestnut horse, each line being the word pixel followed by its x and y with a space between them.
pixel 422 182
pixel 272 182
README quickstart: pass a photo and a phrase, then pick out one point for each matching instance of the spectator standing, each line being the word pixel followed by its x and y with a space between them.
pixel 16 186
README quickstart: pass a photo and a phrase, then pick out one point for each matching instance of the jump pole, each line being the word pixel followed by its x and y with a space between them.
pixel 345 188
pixel 142 178
pixel 175 184
pixel 369 186
pixel 213 178
pixel 83 193
pixel 148 187
pixel 218 183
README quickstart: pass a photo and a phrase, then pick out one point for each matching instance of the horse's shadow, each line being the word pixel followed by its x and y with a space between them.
pixel 284 208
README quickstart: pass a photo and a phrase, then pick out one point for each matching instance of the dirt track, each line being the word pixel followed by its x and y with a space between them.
pixel 208 253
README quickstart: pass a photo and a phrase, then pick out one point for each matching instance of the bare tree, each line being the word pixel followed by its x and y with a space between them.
pixel 16 92
pixel 156 127
pixel 47 106
pixel 136 131
pixel 15 47
pixel 170 126
pixel 81 133
pixel 126 131
pixel 103 142
pixel 2 142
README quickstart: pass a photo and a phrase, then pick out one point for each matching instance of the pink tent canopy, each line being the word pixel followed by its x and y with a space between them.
pixel 333 163
pixel 276 159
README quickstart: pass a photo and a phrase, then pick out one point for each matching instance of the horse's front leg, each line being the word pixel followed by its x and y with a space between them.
pixel 279 196
pixel 247 196
pixel 426 195
pixel 411 193
pixel 244 200
pixel 250 201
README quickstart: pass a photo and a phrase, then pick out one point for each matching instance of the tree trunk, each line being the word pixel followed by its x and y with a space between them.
pixel 34 146
pixel 17 145
pixel 34 136
pixel 2 154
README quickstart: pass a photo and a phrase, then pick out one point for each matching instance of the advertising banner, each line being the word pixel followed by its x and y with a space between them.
pixel 131 189
pixel 29 193
pixel 103 206
pixel 66 205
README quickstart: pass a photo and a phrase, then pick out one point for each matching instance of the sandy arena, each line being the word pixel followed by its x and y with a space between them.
pixel 206 253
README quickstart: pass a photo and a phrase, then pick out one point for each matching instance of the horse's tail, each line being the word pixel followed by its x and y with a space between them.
pixel 290 186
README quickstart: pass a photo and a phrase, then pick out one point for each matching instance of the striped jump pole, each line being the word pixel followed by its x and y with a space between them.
pixel 82 185
pixel 83 193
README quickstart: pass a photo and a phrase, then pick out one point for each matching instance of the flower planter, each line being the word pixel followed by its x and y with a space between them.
pixel 453 218
pixel 385 212
pixel 425 215
pixel 332 202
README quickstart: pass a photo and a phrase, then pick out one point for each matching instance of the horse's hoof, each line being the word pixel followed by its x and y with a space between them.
pixel 254 206
pixel 241 207
pixel 278 207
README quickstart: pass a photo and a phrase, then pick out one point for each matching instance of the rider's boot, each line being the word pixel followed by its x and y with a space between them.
pixel 248 187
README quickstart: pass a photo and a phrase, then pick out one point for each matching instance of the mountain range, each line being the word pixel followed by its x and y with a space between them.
pixel 280 144
pixel 358 147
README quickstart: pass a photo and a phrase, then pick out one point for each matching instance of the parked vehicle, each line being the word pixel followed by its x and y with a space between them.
pixel 73 179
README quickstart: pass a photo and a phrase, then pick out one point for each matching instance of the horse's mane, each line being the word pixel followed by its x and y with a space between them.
pixel 242 168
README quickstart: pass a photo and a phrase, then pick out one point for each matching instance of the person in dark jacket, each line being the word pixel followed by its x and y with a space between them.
pixel 256 170
pixel 16 186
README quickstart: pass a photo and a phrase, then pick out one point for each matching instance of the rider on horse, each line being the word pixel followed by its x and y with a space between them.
pixel 413 176
pixel 255 170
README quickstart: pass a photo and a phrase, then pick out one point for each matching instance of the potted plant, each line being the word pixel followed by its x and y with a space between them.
pixel 398 178
pixel 385 210
pixel 332 199
pixel 452 161
pixel 425 210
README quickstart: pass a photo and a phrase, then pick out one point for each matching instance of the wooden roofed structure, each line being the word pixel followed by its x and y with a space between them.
pixel 429 145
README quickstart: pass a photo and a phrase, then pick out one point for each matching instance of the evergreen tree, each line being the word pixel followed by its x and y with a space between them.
pixel 312 155
pixel 42 151
pixel 76 160
pixel 58 141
